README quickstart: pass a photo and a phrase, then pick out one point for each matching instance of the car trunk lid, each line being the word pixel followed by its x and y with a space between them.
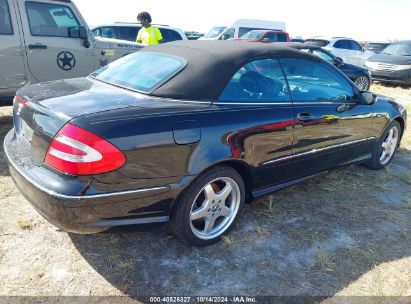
pixel 41 110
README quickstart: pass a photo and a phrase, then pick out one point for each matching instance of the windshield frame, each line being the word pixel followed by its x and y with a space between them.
pixel 157 85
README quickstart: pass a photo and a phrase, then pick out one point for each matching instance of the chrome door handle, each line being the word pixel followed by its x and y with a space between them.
pixel 37 46
pixel 305 116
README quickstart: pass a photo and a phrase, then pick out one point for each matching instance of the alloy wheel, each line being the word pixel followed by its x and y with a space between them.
pixel 215 208
pixel 389 145
pixel 362 83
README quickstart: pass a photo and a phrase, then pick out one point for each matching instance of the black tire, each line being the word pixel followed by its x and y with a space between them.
pixel 375 162
pixel 181 223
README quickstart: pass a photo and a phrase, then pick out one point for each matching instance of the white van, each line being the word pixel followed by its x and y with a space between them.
pixel 43 40
pixel 243 26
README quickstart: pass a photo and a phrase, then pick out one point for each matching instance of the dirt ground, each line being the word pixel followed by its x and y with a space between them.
pixel 347 232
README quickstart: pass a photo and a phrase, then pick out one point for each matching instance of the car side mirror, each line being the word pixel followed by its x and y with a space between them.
pixel 83 34
pixel 338 61
pixel 367 98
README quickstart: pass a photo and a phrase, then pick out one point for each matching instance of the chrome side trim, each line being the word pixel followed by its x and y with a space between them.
pixel 145 220
pixel 290 157
pixel 217 103
pixel 282 103
pixel 74 197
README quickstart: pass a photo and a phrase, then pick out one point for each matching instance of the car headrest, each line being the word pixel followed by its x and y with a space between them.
pixel 253 82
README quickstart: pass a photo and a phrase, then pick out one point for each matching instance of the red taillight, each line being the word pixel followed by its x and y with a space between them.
pixel 80 152
pixel 21 101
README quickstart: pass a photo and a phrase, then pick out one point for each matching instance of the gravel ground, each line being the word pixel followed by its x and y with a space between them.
pixel 343 233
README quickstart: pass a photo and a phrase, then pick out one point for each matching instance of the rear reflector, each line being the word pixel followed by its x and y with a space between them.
pixel 80 152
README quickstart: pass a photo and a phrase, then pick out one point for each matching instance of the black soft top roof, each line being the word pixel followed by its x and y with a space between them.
pixel 211 64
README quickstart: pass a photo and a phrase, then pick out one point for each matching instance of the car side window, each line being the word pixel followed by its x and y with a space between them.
pixel 51 20
pixel 314 81
pixel 343 44
pixel 97 32
pixel 356 46
pixel 324 56
pixel 108 32
pixel 127 33
pixel 281 37
pixel 270 37
pixel 5 20
pixel 228 34
pixel 260 81
pixel 170 35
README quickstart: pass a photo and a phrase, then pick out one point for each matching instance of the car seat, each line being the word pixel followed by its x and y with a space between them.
pixel 252 82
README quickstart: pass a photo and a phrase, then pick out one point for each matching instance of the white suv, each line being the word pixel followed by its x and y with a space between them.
pixel 346 48
pixel 129 31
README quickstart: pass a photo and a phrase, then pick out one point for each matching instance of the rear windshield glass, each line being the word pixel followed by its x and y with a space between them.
pixel 141 71
pixel 317 42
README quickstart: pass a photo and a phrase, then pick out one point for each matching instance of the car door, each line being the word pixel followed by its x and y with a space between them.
pixel 342 48
pixel 256 107
pixel 331 127
pixel 12 71
pixel 361 55
pixel 54 51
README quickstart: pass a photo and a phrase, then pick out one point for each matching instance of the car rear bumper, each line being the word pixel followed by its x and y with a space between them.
pixel 397 77
pixel 79 213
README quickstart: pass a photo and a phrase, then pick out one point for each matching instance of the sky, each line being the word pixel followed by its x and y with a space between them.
pixel 358 19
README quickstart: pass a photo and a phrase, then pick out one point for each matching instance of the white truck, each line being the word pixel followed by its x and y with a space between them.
pixel 241 27
pixel 43 40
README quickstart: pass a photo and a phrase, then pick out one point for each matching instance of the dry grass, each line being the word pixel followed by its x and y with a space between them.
pixel 261 231
pixel 113 239
pixel 391 90
pixel 325 260
pixel 362 255
pixel 387 279
pixel 117 261
pixel 229 240
pixel 25 225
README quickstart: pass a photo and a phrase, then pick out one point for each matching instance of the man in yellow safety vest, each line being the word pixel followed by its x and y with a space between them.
pixel 148 34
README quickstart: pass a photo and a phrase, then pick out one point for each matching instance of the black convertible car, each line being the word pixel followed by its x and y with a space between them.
pixel 187 132
pixel 359 75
